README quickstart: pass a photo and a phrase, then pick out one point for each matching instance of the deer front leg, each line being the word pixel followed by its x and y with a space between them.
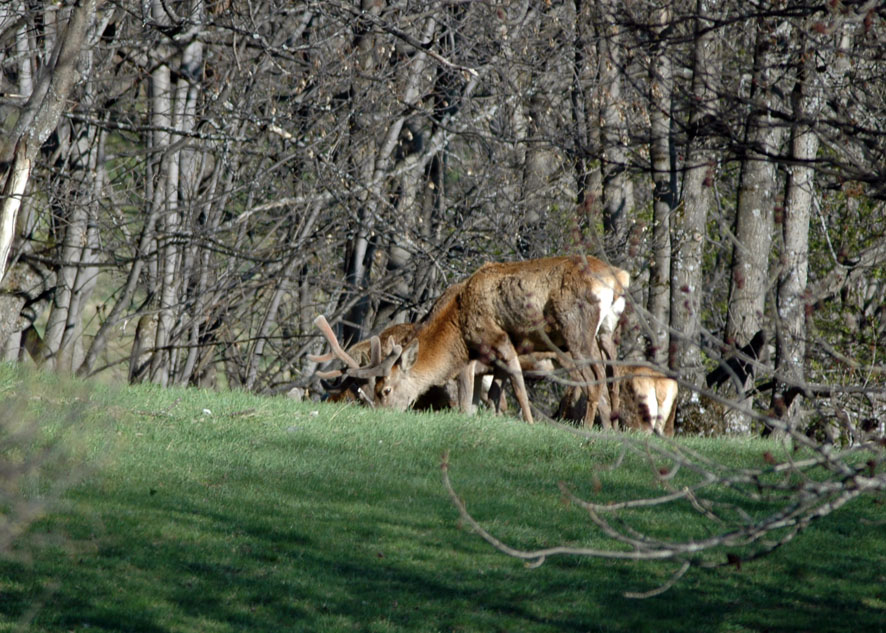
pixel 588 372
pixel 607 415
pixel 508 356
pixel 466 388
pixel 519 386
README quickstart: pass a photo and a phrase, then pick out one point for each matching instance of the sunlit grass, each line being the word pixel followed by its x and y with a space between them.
pixel 199 511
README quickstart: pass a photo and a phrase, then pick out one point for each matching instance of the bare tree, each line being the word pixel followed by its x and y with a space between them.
pixel 757 190
pixel 664 193
pixel 791 328
pixel 39 115
pixel 618 192
pixel 699 173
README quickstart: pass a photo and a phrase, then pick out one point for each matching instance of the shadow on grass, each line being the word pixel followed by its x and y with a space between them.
pixel 314 570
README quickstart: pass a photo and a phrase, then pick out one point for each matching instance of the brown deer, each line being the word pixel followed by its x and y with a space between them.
pixel 372 357
pixel 368 353
pixel 647 401
pixel 358 381
pixel 503 309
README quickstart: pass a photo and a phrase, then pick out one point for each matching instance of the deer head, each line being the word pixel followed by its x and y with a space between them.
pixel 357 381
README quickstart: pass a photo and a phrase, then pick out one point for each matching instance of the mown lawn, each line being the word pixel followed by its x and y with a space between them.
pixel 197 511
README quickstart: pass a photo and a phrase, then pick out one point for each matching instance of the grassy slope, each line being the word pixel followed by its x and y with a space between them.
pixel 270 515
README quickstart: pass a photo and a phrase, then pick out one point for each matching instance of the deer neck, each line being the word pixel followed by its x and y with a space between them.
pixel 442 350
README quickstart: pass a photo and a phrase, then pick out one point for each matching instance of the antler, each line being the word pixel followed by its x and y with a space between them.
pixel 378 366
pixel 380 362
pixel 337 350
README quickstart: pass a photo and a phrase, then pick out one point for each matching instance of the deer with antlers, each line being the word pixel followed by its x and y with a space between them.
pixel 553 304
pixel 365 361
pixel 371 358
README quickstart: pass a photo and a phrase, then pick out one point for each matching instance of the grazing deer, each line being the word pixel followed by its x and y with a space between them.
pixel 366 361
pixel 359 375
pixel 367 353
pixel 647 403
pixel 504 309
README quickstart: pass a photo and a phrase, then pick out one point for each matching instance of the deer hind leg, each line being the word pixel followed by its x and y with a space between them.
pixel 577 327
pixel 613 381
pixel 606 413
pixel 588 374
pixel 594 377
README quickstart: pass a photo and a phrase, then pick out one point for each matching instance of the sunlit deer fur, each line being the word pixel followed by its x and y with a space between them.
pixel 351 388
pixel 508 308
pixel 647 403
pixel 648 400
pixel 347 389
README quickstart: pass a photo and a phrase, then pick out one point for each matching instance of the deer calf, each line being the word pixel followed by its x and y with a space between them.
pixel 647 402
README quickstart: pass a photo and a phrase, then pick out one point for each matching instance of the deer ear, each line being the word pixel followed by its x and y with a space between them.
pixel 409 356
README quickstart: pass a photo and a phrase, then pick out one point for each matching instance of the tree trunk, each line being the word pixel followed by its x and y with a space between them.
pixel 13 190
pixel 78 209
pixel 791 334
pixel 690 222
pixel 586 133
pixel 758 187
pixel 165 205
pixel 618 189
pixel 192 274
pixel 40 117
pixel 663 196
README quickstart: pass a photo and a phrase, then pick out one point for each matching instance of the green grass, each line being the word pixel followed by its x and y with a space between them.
pixel 271 515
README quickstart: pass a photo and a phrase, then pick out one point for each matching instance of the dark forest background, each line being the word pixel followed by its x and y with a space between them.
pixel 188 183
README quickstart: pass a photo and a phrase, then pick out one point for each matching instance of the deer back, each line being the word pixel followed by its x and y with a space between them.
pixel 533 300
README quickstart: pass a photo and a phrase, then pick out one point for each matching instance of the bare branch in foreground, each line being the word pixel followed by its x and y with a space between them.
pixel 811 482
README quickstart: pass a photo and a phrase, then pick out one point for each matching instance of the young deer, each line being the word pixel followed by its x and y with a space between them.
pixel 650 400
pixel 505 309
pixel 647 402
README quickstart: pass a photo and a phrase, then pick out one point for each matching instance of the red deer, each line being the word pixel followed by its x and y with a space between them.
pixel 366 361
pixel 505 309
pixel 647 401
pixel 368 353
